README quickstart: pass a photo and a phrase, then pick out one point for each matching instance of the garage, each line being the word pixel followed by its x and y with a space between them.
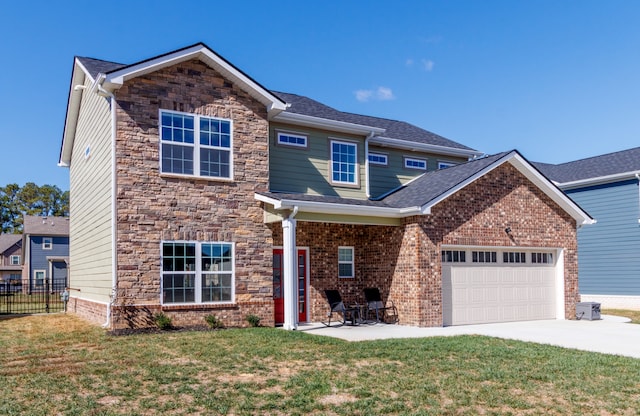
pixel 485 285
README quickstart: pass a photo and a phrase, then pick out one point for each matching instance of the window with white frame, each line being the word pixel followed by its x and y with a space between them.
pixel 484 256
pixel 378 159
pixel 542 258
pixel 345 262
pixel 195 145
pixel 197 272
pixel 292 139
pixel 444 165
pixel 344 162
pixel 454 256
pixel 38 277
pixel 47 243
pixel 414 163
pixel 514 257
pixel 14 260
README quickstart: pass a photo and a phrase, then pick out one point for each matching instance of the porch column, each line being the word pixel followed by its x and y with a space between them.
pixel 290 279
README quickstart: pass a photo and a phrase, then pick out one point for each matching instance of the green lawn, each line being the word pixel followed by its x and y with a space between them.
pixel 59 365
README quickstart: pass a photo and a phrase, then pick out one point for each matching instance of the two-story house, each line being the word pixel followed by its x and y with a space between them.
pixel 195 190
pixel 10 262
pixel 608 186
pixel 45 249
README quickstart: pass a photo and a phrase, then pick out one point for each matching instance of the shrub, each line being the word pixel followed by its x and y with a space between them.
pixel 162 321
pixel 253 320
pixel 213 322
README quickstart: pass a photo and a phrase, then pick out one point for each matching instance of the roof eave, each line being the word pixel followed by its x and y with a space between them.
pixel 325 123
pixel 599 180
pixel 424 147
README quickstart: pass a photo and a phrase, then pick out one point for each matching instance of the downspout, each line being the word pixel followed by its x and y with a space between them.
pixel 366 164
pixel 114 256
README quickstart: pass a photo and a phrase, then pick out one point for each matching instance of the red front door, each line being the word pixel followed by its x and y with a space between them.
pixel 278 292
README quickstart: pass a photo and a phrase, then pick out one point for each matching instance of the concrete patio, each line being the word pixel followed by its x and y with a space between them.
pixel 609 335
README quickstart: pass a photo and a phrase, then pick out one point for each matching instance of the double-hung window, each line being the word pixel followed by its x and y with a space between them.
pixel 345 262
pixel 15 260
pixel 196 145
pixel 47 243
pixel 344 162
pixel 197 272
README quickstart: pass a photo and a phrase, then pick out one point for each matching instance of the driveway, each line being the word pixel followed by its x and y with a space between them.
pixel 610 335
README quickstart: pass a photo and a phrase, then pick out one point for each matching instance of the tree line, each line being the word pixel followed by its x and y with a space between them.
pixel 31 199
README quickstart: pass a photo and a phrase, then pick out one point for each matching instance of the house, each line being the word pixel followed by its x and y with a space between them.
pixel 197 191
pixel 10 262
pixel 607 187
pixel 45 249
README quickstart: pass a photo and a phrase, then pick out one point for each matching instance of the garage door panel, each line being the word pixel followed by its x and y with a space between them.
pixel 500 293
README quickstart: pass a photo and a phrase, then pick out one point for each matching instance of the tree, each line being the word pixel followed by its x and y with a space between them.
pixel 31 199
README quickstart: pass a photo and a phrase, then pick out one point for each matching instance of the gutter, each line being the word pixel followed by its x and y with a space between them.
pixel 366 164
pixel 638 178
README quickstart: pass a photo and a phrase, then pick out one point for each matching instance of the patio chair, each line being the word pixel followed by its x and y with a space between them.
pixel 349 313
pixel 385 312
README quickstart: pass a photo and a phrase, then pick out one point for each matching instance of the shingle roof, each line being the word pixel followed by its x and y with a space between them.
pixel 593 167
pixel 49 226
pixel 309 107
pixel 8 240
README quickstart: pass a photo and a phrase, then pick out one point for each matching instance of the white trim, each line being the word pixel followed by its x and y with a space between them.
pixel 48 246
pixel 356 165
pixel 407 159
pixel 44 277
pixel 424 147
pixel 352 262
pixel 325 124
pixel 12 257
pixel 294 135
pixel 598 180
pixel 379 155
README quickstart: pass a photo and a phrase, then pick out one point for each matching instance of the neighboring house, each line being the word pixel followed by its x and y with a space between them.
pixel 10 262
pixel 609 251
pixel 45 249
pixel 196 191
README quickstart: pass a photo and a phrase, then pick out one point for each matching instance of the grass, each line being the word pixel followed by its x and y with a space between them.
pixel 60 365
pixel 631 314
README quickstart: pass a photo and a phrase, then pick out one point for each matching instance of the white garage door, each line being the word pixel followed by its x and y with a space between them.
pixel 488 285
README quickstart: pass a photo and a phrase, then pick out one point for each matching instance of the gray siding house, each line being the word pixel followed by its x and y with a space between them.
pixel 10 262
pixel 45 245
pixel 606 186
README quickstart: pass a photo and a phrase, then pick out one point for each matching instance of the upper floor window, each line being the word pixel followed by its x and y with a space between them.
pixel 291 139
pixel 14 260
pixel 344 162
pixel 378 159
pixel 195 272
pixel 195 145
pixel 413 163
pixel 345 262
pixel 47 243
pixel 444 165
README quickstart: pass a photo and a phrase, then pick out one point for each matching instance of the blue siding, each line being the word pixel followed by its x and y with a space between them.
pixel 609 251
pixel 38 256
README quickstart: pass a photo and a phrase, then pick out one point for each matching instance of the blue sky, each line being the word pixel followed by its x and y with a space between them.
pixel 557 80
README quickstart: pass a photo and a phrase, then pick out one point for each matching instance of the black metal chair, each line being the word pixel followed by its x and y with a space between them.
pixel 385 312
pixel 349 313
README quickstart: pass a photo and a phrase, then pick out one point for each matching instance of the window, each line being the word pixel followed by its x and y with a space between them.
pixel 194 272
pixel 444 165
pixel 290 139
pixel 47 243
pixel 412 163
pixel 345 262
pixel 38 278
pixel 343 162
pixel 378 159
pixel 454 256
pixel 14 260
pixel 542 258
pixel 513 257
pixel 195 145
pixel 484 256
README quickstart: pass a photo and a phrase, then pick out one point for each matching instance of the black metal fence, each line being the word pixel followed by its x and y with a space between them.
pixel 24 297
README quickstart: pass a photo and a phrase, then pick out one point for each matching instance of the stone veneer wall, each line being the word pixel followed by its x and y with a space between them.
pixel 404 261
pixel 152 208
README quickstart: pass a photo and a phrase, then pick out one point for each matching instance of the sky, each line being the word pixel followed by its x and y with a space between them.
pixel 558 80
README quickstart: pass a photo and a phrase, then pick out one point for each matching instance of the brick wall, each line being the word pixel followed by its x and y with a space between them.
pixel 152 208
pixel 404 262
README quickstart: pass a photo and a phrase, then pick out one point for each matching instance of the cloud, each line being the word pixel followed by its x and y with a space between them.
pixel 427 64
pixel 379 94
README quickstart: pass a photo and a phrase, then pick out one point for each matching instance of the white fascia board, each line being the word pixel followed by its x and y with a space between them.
pixel 552 191
pixel 599 180
pixel 424 147
pixel 114 80
pixel 78 77
pixel 326 124
pixel 340 209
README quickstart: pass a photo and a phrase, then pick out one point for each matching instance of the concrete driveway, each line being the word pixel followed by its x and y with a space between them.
pixel 610 335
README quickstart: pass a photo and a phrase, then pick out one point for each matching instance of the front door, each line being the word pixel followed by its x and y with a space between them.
pixel 278 292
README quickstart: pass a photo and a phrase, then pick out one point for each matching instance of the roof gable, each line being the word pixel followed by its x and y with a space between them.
pixel 9 240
